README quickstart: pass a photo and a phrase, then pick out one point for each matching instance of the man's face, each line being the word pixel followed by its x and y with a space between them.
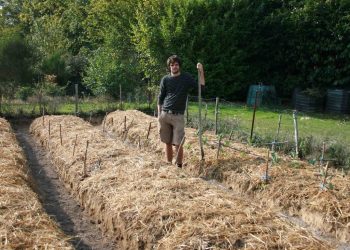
pixel 174 68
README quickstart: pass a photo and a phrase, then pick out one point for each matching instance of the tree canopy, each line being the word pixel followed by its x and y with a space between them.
pixel 102 44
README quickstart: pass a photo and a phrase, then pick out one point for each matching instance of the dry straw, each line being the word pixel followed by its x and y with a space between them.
pixel 294 186
pixel 23 222
pixel 146 204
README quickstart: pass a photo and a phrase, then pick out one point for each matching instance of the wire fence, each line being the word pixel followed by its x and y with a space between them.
pixel 274 127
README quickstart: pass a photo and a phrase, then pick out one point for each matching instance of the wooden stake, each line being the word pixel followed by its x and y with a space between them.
pixel 112 121
pixel 325 176
pixel 219 147
pixel 177 153
pixel 267 166
pixel 75 143
pixel 139 142
pixel 149 130
pixel 61 133
pixel 85 157
pixel 124 123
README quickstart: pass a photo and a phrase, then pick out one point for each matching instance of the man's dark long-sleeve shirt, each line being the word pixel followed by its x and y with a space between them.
pixel 174 91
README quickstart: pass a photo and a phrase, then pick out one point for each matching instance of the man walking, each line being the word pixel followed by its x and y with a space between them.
pixel 174 89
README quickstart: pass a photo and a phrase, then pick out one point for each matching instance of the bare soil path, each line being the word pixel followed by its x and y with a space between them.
pixel 56 198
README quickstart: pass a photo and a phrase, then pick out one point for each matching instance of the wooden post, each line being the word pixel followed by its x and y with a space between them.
pixel 253 120
pixel 124 123
pixel 49 128
pixel 75 143
pixel 76 99
pixel 85 157
pixel 277 134
pixel 200 117
pixel 219 147
pixel 216 114
pixel 61 133
pixel 149 130
pixel 180 146
pixel 296 137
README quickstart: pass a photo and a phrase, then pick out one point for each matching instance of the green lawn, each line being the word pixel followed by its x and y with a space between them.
pixel 314 129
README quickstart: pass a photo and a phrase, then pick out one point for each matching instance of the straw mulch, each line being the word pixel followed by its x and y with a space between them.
pixel 294 186
pixel 147 204
pixel 23 222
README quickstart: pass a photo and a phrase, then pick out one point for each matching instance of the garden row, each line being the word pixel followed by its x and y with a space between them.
pixel 23 222
pixel 318 195
pixel 148 204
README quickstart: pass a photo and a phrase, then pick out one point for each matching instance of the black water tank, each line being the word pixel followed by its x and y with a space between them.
pixel 338 101
pixel 307 103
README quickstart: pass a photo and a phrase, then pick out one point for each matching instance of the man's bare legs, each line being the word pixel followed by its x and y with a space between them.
pixel 169 153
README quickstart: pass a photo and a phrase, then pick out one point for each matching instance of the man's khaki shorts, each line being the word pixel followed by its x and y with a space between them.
pixel 171 128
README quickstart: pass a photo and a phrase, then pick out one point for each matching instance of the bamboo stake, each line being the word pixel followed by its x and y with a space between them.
pixel 85 158
pixel 180 146
pixel 75 143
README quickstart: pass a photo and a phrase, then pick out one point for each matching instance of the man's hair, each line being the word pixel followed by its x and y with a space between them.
pixel 173 59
